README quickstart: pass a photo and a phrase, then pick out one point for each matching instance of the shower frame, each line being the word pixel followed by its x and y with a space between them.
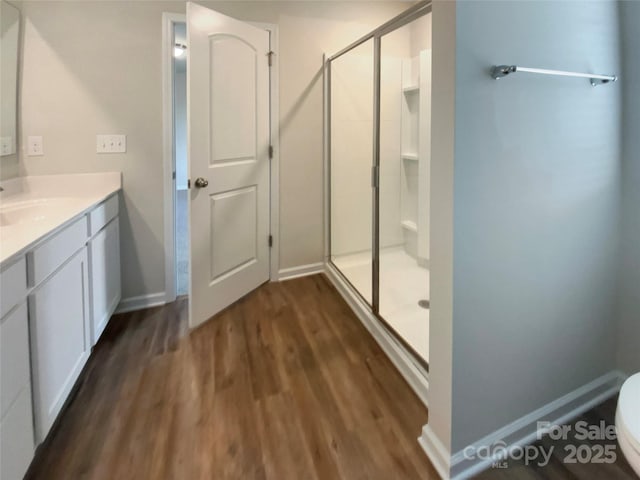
pixel 406 359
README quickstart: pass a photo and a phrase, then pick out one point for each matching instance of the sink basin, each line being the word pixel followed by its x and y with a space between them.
pixel 31 211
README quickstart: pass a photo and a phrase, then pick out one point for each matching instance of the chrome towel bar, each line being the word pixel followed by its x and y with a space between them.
pixel 500 71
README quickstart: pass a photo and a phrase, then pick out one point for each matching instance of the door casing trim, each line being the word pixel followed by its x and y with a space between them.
pixel 168 22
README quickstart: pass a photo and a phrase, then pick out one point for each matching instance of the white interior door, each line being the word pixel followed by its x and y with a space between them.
pixel 228 129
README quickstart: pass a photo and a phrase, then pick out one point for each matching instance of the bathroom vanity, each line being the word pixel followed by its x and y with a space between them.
pixel 60 283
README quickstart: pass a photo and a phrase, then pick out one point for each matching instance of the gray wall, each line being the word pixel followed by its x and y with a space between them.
pixel 95 67
pixel 536 205
pixel 629 314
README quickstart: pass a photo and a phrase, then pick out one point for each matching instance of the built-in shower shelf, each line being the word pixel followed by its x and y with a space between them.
pixel 409 225
pixel 410 156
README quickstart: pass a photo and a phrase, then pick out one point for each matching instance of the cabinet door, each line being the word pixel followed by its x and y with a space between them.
pixel 104 267
pixel 16 426
pixel 60 340
pixel 16 438
pixel 15 373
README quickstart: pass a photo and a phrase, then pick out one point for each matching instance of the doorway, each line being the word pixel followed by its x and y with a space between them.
pixel 220 240
pixel 181 223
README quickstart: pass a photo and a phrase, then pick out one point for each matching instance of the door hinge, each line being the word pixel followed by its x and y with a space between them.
pixel 270 151
pixel 189 183
pixel 270 57
pixel 270 240
pixel 173 175
pixel 375 177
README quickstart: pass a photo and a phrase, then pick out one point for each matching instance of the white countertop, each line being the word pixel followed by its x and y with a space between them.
pixel 33 207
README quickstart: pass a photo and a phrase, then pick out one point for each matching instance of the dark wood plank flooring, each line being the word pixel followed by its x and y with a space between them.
pixel 286 384
pixel 558 467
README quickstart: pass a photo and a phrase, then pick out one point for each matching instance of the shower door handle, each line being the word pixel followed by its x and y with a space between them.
pixel 201 182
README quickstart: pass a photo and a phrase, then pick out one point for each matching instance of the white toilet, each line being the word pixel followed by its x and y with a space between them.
pixel 628 421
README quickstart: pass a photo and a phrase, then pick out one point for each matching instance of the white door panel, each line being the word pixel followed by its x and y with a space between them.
pixel 235 212
pixel 228 115
pixel 233 99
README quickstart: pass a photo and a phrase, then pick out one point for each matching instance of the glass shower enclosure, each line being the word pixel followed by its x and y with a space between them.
pixel 378 148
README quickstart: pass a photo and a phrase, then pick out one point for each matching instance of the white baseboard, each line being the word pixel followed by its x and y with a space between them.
pixel 300 271
pixel 415 376
pixel 436 451
pixel 140 302
pixel 523 431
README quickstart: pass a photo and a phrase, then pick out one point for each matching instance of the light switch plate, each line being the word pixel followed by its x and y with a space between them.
pixel 35 147
pixel 111 143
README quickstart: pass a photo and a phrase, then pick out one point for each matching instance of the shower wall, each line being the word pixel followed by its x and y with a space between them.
pixel 352 152
pixel 404 184
pixel 352 140
pixel 391 234
pixel 404 175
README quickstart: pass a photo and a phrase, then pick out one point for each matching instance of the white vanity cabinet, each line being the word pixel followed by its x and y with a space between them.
pixel 69 310
pixel 16 424
pixel 56 298
pixel 104 265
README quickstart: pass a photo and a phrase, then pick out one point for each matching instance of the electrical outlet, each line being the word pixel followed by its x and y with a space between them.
pixel 35 147
pixel 111 144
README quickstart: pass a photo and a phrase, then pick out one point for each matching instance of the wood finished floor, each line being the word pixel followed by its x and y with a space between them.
pixel 558 467
pixel 285 384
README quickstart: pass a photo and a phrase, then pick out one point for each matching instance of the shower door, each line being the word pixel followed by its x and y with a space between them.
pixel 405 151
pixel 351 153
pixel 379 119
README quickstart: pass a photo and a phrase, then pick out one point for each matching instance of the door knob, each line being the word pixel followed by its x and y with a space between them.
pixel 201 182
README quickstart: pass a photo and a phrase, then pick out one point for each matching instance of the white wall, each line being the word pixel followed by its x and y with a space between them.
pixel 536 202
pixel 441 228
pixel 95 67
pixel 629 314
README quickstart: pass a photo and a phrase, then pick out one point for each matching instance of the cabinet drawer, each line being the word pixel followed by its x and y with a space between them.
pixel 16 438
pixel 14 355
pixel 102 214
pixel 13 285
pixel 46 258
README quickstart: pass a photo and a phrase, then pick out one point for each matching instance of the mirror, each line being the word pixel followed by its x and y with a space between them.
pixel 9 38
